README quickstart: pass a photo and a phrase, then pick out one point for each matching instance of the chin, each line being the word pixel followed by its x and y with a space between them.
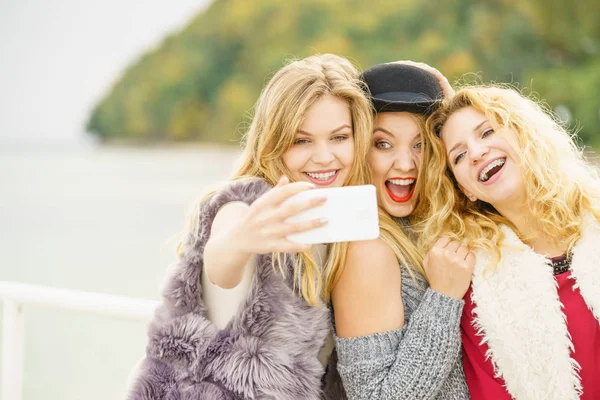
pixel 399 210
pixel 509 193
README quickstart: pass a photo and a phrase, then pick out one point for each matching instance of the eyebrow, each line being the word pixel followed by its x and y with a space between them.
pixel 418 136
pixel 460 143
pixel 339 128
pixel 383 130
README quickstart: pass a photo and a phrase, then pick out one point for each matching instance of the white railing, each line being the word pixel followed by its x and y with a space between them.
pixel 14 295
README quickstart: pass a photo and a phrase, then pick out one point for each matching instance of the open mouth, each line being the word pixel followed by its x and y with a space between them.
pixel 491 170
pixel 400 190
pixel 322 178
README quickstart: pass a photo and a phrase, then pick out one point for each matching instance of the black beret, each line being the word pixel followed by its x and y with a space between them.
pixel 401 87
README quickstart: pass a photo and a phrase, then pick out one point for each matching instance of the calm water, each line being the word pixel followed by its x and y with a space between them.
pixel 99 220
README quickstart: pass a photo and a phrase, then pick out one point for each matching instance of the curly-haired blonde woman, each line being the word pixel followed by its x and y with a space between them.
pixel 511 182
pixel 243 314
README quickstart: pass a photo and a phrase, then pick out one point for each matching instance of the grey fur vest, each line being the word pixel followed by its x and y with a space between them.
pixel 268 351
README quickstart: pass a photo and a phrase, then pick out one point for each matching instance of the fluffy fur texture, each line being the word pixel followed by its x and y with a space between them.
pixel 519 315
pixel 268 351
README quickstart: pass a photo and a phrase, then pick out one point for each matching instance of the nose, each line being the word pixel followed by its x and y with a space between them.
pixel 477 151
pixel 323 154
pixel 404 161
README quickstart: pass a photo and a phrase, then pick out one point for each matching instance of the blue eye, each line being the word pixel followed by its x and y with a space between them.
pixel 419 145
pixel 301 141
pixel 382 144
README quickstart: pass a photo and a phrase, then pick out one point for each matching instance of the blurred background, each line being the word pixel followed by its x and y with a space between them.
pixel 116 115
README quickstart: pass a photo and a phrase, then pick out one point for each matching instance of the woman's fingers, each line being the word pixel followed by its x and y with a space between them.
pixel 295 207
pixel 453 246
pixel 470 259
pixel 442 242
pixel 462 252
pixel 284 180
pixel 279 194
pixel 297 227
pixel 281 230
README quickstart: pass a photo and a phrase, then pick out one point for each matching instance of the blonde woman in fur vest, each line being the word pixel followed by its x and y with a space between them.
pixel 515 186
pixel 243 313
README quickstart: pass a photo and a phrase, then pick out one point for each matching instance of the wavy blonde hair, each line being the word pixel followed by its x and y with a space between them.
pixel 278 114
pixel 393 235
pixel 560 184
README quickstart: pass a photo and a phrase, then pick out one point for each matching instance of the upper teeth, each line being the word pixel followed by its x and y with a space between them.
pixel 403 182
pixel 321 176
pixel 483 174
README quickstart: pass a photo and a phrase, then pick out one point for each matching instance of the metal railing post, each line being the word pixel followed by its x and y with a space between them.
pixel 11 378
pixel 14 295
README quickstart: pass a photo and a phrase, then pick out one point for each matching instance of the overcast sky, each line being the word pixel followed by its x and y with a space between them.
pixel 58 57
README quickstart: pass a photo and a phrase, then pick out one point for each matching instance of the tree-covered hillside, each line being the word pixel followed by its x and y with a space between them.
pixel 201 83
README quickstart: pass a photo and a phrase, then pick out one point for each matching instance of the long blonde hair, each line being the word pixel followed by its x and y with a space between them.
pixel 393 235
pixel 560 184
pixel 278 114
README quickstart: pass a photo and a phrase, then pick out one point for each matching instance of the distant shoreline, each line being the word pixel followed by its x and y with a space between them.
pixel 16 147
pixel 164 144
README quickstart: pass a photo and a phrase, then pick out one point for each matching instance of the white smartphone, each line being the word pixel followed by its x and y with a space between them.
pixel 351 213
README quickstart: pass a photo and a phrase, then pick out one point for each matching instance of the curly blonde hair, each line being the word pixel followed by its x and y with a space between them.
pixel 560 183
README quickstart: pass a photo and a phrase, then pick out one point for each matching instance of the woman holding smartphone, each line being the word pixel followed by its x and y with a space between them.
pixel 397 316
pixel 512 182
pixel 243 315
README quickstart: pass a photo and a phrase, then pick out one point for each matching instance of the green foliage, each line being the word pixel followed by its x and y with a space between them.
pixel 201 83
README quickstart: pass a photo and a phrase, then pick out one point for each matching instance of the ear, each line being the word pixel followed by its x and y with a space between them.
pixel 469 195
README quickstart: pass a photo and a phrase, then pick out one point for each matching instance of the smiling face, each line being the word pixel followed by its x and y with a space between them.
pixel 323 148
pixel 483 162
pixel 394 160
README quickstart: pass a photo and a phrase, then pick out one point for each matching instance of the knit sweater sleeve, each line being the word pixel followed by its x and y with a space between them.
pixel 408 363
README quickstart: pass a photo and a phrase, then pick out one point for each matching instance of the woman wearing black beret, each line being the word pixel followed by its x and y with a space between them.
pixel 397 315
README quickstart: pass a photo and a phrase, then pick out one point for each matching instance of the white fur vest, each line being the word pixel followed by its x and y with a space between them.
pixel 268 351
pixel 519 315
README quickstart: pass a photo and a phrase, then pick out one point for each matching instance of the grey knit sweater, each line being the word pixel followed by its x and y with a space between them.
pixel 421 360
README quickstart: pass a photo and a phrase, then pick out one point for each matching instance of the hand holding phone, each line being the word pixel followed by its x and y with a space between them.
pixel 350 211
pixel 262 227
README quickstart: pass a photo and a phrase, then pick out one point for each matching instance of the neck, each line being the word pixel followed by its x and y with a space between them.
pixel 531 232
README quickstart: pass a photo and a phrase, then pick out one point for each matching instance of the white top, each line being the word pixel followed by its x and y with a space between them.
pixel 223 304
